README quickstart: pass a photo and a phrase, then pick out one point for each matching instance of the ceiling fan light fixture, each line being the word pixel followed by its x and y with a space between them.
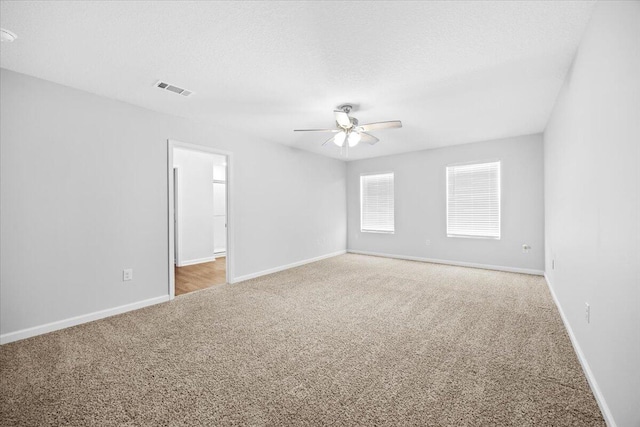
pixel 354 138
pixel 348 132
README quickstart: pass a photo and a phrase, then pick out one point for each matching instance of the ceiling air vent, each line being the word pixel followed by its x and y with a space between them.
pixel 172 88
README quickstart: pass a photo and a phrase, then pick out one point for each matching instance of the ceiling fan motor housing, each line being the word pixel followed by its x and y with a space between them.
pixel 345 107
pixel 354 123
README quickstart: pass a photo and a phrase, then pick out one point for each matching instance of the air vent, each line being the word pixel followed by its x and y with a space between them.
pixel 174 89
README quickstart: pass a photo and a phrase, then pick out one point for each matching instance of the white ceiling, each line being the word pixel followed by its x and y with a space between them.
pixel 453 72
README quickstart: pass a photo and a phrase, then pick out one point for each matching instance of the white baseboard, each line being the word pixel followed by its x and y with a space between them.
pixel 604 408
pixel 77 320
pixel 285 267
pixel 456 263
pixel 196 261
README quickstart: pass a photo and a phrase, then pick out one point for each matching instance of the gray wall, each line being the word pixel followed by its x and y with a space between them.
pixel 84 195
pixel 592 203
pixel 420 205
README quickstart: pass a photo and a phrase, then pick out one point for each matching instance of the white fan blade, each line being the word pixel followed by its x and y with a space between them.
pixel 380 125
pixel 369 139
pixel 328 141
pixel 317 130
pixel 343 119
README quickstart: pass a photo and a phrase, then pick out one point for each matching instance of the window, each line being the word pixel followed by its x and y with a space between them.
pixel 473 200
pixel 376 203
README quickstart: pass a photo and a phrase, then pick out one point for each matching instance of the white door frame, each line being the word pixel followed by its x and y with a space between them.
pixel 177 211
pixel 217 181
pixel 230 258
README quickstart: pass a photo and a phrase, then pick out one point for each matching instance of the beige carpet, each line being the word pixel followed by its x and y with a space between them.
pixel 352 340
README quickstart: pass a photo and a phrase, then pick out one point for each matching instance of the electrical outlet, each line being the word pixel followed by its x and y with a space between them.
pixel 587 312
pixel 526 249
pixel 428 242
pixel 127 274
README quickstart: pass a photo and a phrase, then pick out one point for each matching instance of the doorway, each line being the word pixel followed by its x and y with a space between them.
pixel 199 213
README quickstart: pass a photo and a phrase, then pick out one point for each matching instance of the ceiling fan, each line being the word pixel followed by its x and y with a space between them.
pixel 348 132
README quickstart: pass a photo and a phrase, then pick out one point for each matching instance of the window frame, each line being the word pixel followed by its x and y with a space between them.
pixel 362 175
pixel 475 162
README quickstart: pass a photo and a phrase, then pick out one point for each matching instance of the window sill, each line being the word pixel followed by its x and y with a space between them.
pixel 377 232
pixel 460 236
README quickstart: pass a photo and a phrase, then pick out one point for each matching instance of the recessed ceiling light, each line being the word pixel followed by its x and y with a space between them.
pixel 7 36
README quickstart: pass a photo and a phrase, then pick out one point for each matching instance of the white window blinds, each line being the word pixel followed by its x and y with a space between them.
pixel 473 200
pixel 376 203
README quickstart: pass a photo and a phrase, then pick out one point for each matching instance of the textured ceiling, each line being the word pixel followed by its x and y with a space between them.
pixel 453 72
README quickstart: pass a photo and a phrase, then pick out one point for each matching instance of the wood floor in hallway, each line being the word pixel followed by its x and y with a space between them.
pixel 200 276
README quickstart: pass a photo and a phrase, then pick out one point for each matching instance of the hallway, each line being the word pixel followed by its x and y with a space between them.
pixel 200 276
